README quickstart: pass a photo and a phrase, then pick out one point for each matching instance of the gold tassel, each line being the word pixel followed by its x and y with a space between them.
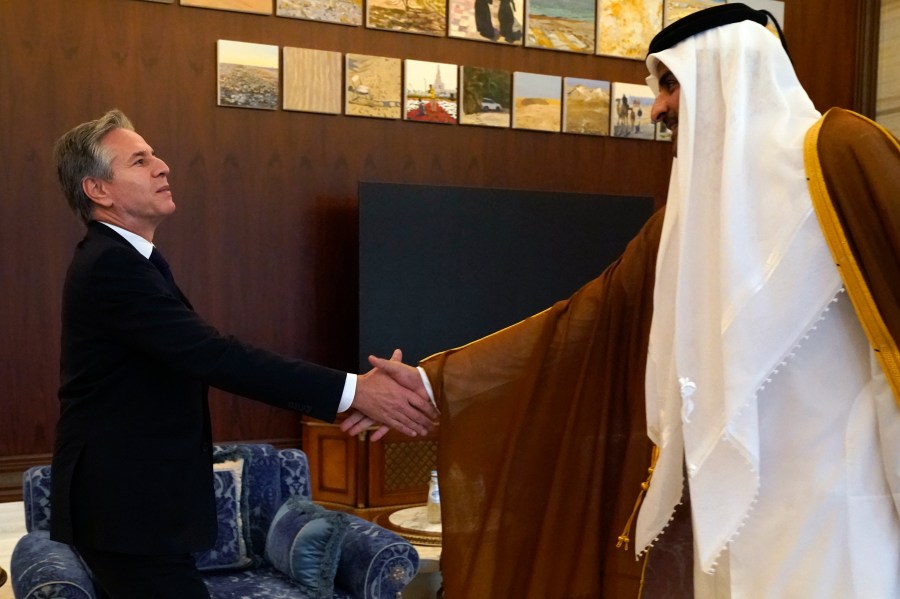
pixel 625 538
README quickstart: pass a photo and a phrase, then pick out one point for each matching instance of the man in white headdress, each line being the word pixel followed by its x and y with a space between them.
pixel 770 376
pixel 763 393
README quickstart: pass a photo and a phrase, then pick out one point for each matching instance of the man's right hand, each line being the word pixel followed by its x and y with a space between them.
pixel 387 394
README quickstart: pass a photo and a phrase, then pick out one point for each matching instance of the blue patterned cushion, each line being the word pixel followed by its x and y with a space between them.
pixel 304 542
pixel 260 492
pixel 390 561
pixel 36 495
pixel 230 550
pixel 294 474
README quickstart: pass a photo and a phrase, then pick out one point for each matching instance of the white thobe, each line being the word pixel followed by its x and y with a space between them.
pixel 826 524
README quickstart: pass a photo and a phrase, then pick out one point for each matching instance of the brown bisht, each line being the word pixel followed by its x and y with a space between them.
pixel 543 443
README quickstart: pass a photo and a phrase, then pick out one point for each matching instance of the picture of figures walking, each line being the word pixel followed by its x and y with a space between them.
pixel 585 106
pixel 373 87
pixel 342 12
pixel 625 27
pixel 567 25
pixel 537 101
pixel 427 17
pixel 431 92
pixel 485 97
pixel 498 21
pixel 247 75
pixel 630 111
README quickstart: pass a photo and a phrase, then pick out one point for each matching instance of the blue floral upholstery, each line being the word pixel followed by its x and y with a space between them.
pixel 390 561
pixel 294 474
pixel 230 550
pixel 260 583
pixel 45 569
pixel 36 495
pixel 260 491
pixel 374 562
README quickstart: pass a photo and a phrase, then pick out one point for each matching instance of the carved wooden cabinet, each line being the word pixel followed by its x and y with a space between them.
pixel 360 473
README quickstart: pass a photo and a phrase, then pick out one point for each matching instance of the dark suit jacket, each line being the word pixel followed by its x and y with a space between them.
pixel 132 462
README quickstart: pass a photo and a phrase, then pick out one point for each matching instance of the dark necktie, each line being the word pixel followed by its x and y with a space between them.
pixel 160 263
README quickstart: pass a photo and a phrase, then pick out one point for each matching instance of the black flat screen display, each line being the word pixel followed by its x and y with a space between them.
pixel 442 266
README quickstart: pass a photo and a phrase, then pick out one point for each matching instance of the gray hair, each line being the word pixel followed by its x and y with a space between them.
pixel 79 154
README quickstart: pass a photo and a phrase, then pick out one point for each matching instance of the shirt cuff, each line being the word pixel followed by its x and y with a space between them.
pixel 427 384
pixel 348 393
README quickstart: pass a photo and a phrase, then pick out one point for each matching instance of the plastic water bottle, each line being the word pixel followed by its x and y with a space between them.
pixel 433 512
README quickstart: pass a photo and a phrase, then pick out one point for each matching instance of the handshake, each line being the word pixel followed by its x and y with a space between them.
pixel 391 395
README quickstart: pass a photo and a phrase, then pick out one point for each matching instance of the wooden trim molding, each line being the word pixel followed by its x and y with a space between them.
pixel 11 470
pixel 867 49
pixel 279 443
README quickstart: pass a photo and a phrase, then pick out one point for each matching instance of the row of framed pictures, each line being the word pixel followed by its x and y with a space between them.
pixel 620 28
pixel 327 82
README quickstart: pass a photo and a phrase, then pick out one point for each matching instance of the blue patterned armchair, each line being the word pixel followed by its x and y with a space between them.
pixel 273 542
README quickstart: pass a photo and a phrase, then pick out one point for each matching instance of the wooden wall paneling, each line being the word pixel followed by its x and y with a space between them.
pixel 824 42
pixel 264 240
pixel 867 57
pixel 888 102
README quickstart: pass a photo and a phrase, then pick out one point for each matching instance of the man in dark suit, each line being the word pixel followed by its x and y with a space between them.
pixel 132 468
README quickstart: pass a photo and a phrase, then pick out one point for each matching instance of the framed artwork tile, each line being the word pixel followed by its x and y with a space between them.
pixel 678 9
pixel 585 106
pixel 566 25
pixel 629 111
pixel 312 80
pixel 625 27
pixel 485 97
pixel 537 102
pixel 497 21
pixel 259 7
pixel 425 17
pixel 430 92
pixel 342 12
pixel 247 75
pixel 373 86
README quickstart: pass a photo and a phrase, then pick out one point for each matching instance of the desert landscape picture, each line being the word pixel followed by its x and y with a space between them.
pixel 537 101
pixel 586 106
pixel 247 75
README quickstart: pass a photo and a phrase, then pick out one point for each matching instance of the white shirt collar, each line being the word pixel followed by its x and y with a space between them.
pixel 140 244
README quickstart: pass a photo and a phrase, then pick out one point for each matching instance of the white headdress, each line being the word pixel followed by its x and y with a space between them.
pixel 743 273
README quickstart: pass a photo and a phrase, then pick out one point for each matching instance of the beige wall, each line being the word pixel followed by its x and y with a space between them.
pixel 888 98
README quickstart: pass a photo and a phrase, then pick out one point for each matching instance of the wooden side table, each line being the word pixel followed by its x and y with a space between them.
pixel 359 473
